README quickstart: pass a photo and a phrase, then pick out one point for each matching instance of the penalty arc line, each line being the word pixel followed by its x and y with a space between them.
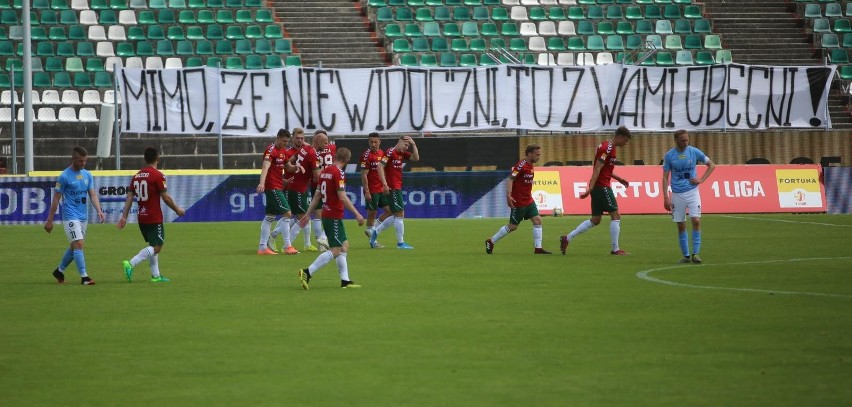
pixel 787 221
pixel 645 275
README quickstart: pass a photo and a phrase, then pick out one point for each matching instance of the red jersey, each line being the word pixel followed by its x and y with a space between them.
pixel 288 176
pixel 307 157
pixel 331 180
pixel 147 185
pixel 326 156
pixel 275 175
pixel 605 153
pixel 370 162
pixel 522 183
pixel 393 162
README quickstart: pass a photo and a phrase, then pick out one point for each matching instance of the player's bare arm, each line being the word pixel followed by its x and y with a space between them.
pixel 263 172
pixel 93 196
pixel 128 202
pixel 710 167
pixel 171 203
pixel 364 185
pixel 48 224
pixel 599 164
pixel 306 217
pixel 341 194
pixel 509 200
pixel 381 170
pixel 415 154
pixel 667 200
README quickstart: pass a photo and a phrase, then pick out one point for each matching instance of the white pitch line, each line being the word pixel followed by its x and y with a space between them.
pixel 787 221
pixel 645 275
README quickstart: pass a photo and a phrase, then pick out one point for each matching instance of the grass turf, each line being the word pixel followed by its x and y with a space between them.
pixel 444 324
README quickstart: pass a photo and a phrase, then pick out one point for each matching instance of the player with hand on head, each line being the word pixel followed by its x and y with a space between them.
pixel 519 198
pixel 331 190
pixel 603 199
pixel 680 163
pixel 374 185
pixel 147 187
pixel 405 149
pixel 72 187
pixel 275 161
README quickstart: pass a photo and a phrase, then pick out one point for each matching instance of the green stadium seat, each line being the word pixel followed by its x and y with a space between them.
pixel 243 47
pixel 453 2
pixel 264 16
pixel 14 64
pixel 194 33
pixel 672 12
pixel 263 46
pixel 401 45
pixel 293 60
pixel 459 45
pixel 813 10
pixel 193 62
pixel 614 13
pixel 486 60
pixel 165 48
pixel 155 32
pixel 595 13
pixel 118 4
pixel 413 30
pixel 144 49
pixel 839 56
pixel 842 26
pixel 234 32
pixel 845 71
pixel 655 39
pixel 452 30
pixel 499 14
pixel 146 17
pixel 434 3
pixel 196 4
pixel 556 13
pixel 40 4
pixel 704 58
pixel 384 14
pixel 254 62
pixel 821 25
pixel 9 17
pixel 682 1
pixel 215 32
pixel 693 41
pixel 420 44
pixel 497 43
pixel 407 60
pixel 555 44
pixel 204 17
pixel 478 45
pixel 57 34
pixel 214 4
pixel 849 9
pixel 273 62
pixel 614 43
pixel 439 44
pixel 576 13
pixel 633 13
pixel 481 13
pixel 428 60
pixel 397 3
pixel 489 30
pixel 85 49
pixel 45 49
pixel 124 49
pixel 595 43
pixel 176 33
pixel 77 33
pixel 223 47
pixel 404 14
pixel 214 62
pixel 254 3
pixel 234 63
pixel 235 4
pixel 635 42
pixel 423 14
pixel 663 27
pixel 470 29
pixel 673 42
pixel 723 56
pixel 517 44
pixel 448 59
pixel 653 12
pixel 682 26
pixel 224 17
pixel 103 80
pixel 94 65
pixel 847 40
pixel 47 17
pixel 624 28
pixel 605 28
pixel 185 47
pixel 467 60
pixel 645 27
pixel 42 80
pixel 283 46
pixel 431 29
pixel 53 64
pixel 273 32
pixel 38 33
pixel 693 12
pixel 585 27
pixel 136 33
pixel 537 13
pixel 204 47
pixel 3 34
pixel 684 57
pixel 713 41
pixel 575 44
pixel 107 17
pixel 98 4
pixel 82 80
pixel 459 14
pixel 187 17
pixel 177 4
pixel 443 14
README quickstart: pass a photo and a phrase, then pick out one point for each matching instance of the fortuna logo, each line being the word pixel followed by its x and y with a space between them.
pixel 797 181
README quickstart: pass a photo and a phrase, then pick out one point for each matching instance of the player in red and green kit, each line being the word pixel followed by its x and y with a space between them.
pixel 375 185
pixel 405 149
pixel 520 201
pixel 148 186
pixel 326 159
pixel 282 228
pixel 298 194
pixel 603 199
pixel 275 162
pixel 331 191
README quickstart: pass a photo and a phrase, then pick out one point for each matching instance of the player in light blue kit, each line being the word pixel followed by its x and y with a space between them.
pixel 75 187
pixel 680 162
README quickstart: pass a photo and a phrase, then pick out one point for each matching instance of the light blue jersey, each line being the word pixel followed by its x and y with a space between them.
pixel 682 167
pixel 74 187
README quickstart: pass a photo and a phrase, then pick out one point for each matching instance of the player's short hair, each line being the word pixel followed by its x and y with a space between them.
pixel 623 131
pixel 298 130
pixel 677 133
pixel 531 148
pixel 374 134
pixel 151 155
pixel 80 151
pixel 320 131
pixel 343 155
pixel 283 133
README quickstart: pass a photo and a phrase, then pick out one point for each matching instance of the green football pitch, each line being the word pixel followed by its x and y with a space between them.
pixel 766 320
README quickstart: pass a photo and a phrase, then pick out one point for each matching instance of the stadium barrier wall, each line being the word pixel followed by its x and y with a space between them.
pixel 232 197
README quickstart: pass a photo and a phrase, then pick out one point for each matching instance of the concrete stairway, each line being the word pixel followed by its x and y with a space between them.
pixel 332 32
pixel 771 32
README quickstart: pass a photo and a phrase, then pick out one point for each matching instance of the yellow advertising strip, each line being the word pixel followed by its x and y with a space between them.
pixel 790 180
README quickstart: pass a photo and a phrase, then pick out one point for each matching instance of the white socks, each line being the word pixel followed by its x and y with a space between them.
pixel 265 230
pixel 385 224
pixel 342 267
pixel 502 232
pixel 614 231
pixel 319 233
pixel 282 229
pixel 399 226
pixel 155 265
pixel 144 254
pixel 321 261
pixel 537 232
pixel 586 225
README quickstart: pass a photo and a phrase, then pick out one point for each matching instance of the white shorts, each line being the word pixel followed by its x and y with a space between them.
pixel 683 202
pixel 75 229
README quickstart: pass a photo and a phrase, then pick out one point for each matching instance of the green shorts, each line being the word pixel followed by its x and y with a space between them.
pixel 522 213
pixel 377 200
pixel 335 231
pixel 276 202
pixel 153 233
pixel 603 200
pixel 396 202
pixel 299 202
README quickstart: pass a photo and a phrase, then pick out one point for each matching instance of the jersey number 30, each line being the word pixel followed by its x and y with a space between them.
pixel 141 188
